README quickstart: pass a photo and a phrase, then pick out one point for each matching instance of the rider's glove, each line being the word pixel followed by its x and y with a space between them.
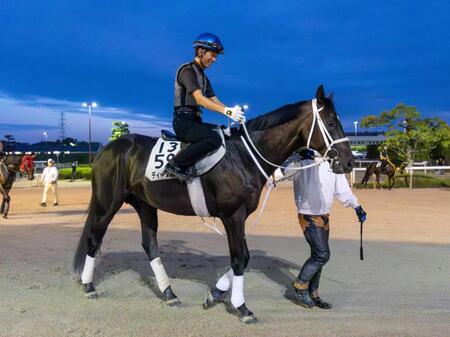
pixel 362 215
pixel 235 113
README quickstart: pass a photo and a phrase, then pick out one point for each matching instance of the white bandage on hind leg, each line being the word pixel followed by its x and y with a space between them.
pixel 88 271
pixel 160 274
pixel 237 292
pixel 224 282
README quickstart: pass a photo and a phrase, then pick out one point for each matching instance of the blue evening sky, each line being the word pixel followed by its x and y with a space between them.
pixel 55 54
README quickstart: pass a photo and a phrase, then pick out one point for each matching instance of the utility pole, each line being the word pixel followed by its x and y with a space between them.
pixel 62 126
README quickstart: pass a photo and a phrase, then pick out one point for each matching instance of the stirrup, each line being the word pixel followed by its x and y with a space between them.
pixel 177 172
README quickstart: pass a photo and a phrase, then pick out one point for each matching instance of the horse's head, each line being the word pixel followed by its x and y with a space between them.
pixel 27 165
pixel 328 137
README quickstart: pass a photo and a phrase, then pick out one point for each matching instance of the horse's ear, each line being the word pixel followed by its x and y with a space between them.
pixel 320 93
pixel 331 96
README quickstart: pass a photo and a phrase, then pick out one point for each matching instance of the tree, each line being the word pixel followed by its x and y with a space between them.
pixel 408 135
pixel 119 129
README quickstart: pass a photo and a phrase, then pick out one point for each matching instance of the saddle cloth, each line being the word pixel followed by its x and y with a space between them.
pixel 165 150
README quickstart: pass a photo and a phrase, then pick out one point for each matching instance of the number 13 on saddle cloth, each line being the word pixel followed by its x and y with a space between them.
pixel 162 152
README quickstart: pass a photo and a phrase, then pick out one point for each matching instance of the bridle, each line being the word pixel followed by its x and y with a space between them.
pixel 329 142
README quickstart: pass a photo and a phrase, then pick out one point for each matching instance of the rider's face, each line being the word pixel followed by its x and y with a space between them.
pixel 209 58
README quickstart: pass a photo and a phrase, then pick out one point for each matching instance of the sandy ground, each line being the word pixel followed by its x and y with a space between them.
pixel 401 289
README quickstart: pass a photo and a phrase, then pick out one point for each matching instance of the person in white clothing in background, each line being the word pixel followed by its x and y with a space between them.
pixel 50 178
pixel 315 189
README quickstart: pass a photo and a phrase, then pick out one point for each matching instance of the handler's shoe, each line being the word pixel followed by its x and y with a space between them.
pixel 55 204
pixel 179 172
pixel 213 297
pixel 321 304
pixel 43 204
pixel 302 296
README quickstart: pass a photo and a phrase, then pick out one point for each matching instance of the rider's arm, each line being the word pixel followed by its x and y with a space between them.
pixel 208 103
pixel 216 100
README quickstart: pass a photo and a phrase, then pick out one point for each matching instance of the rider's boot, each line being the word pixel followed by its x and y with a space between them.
pixel 180 172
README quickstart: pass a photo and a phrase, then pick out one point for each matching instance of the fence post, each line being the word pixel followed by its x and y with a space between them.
pixel 410 178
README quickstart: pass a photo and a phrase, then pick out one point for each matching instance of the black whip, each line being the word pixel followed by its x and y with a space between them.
pixel 361 252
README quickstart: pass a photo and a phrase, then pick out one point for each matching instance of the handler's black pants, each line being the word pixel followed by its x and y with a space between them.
pixel 190 129
pixel 316 230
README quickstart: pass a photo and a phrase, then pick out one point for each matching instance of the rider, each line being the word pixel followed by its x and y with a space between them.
pixel 193 90
pixel 384 157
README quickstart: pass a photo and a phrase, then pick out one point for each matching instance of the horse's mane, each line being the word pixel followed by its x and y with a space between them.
pixel 279 116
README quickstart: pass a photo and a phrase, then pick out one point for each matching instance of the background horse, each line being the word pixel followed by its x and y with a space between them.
pixel 232 189
pixel 385 168
pixel 9 166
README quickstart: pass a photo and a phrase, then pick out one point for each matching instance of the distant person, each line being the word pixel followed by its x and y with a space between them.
pixel 440 162
pixel 50 179
pixel 74 171
pixel 315 189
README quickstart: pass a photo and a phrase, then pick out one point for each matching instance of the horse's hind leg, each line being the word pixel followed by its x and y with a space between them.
pixel 149 224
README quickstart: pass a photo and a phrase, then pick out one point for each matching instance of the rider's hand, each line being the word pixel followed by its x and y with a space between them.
pixel 235 113
pixel 362 215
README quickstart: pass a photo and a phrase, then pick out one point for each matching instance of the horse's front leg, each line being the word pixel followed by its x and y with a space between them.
pixel 234 278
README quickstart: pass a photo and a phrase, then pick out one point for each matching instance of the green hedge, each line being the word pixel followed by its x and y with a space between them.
pixel 83 172
pixel 420 180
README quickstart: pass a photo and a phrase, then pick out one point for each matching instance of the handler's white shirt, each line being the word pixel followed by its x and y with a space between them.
pixel 50 175
pixel 315 189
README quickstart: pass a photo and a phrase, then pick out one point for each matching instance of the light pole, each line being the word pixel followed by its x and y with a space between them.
pixel 356 127
pixel 90 105
pixel 46 137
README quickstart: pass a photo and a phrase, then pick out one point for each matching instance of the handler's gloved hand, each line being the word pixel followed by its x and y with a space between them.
pixel 362 215
pixel 235 113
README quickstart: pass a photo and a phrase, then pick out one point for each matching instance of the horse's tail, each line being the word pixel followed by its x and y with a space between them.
pixel 109 190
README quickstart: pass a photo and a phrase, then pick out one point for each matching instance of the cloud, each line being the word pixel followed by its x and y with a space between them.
pixel 29 116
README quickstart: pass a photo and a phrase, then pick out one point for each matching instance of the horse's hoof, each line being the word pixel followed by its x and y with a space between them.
pixel 244 314
pixel 89 291
pixel 5 216
pixel 173 303
pixel 213 297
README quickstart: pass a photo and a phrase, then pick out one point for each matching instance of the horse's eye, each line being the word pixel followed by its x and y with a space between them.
pixel 331 123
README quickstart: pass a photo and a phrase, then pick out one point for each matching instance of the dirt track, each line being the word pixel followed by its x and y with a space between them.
pixel 401 289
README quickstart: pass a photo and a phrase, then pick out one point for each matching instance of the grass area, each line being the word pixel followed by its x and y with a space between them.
pixel 83 172
pixel 420 180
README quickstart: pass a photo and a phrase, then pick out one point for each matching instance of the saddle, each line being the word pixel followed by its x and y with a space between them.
pixel 168 145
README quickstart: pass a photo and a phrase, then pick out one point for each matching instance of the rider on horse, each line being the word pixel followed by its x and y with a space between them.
pixel 193 90
pixel 384 158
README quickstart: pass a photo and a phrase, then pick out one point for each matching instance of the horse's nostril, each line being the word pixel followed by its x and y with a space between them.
pixel 350 163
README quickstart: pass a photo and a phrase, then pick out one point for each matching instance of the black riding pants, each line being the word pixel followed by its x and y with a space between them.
pixel 190 129
pixel 316 230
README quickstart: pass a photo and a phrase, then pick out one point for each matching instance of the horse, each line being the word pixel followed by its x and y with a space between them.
pixel 9 166
pixel 232 189
pixel 386 168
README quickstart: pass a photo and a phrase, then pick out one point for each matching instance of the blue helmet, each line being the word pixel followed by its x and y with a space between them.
pixel 209 41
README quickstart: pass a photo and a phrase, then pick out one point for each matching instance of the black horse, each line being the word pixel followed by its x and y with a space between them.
pixel 232 188
pixel 385 168
pixel 9 166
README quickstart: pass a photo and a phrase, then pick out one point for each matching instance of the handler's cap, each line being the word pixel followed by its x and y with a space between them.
pixel 50 160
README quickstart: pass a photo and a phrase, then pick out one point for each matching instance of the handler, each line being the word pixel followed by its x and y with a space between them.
pixel 193 90
pixel 315 189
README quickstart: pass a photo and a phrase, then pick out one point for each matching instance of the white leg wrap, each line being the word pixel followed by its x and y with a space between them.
pixel 88 271
pixel 237 293
pixel 160 274
pixel 224 282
